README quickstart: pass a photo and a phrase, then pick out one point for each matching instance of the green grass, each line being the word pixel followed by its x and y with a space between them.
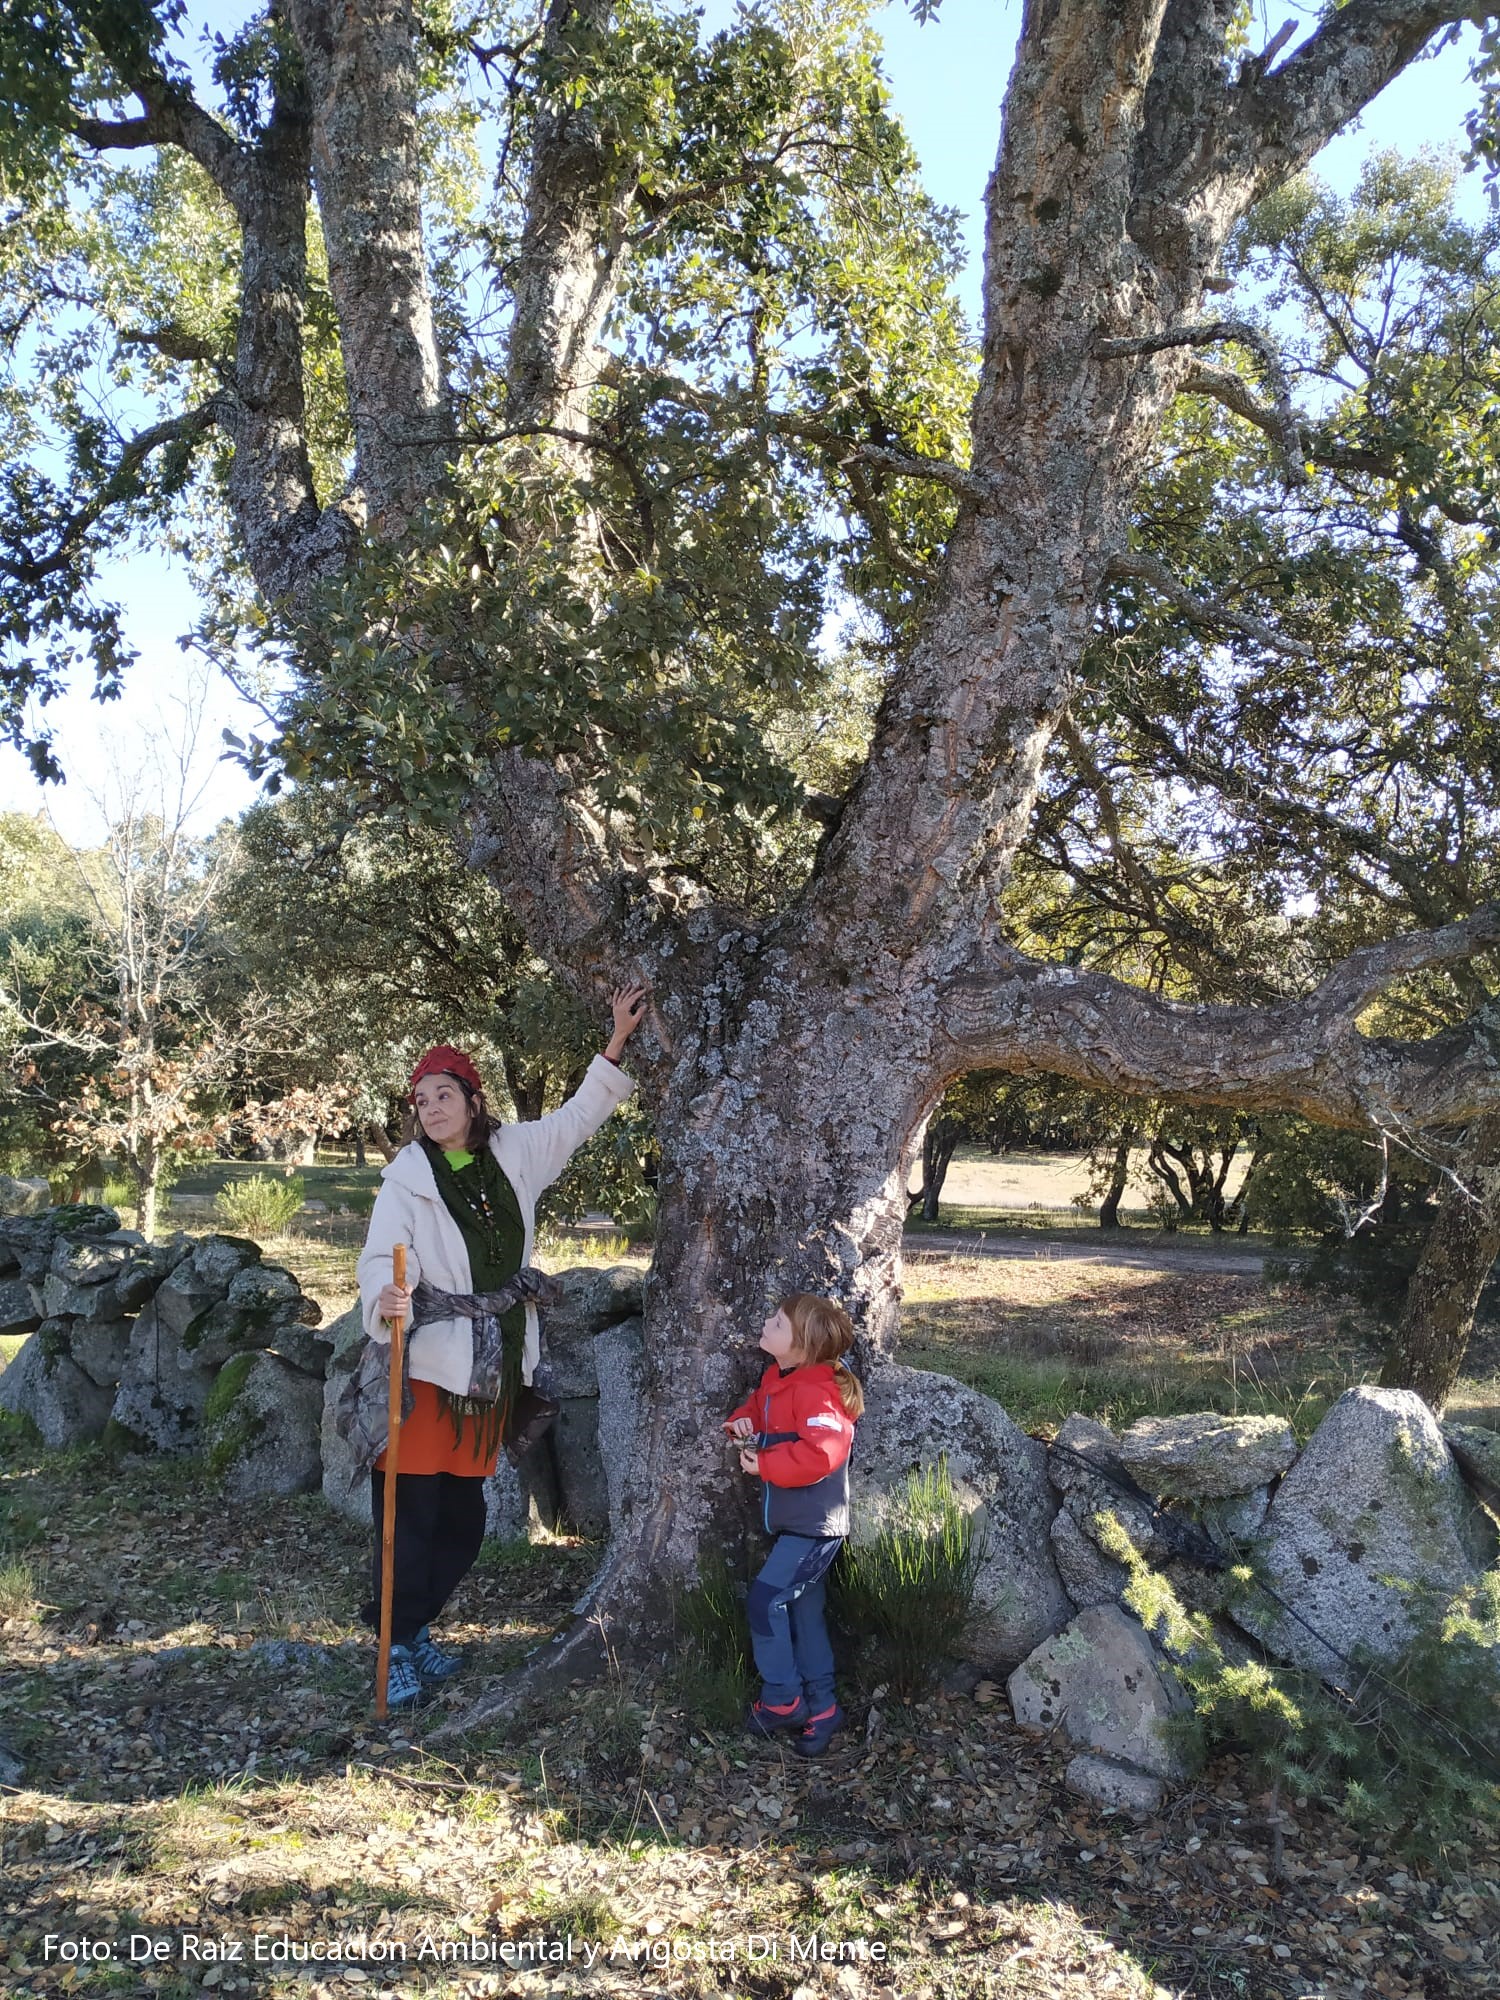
pixel 1046 1336
pixel 1140 1230
pixel 336 1185
pixel 18 1588
pixel 1041 1394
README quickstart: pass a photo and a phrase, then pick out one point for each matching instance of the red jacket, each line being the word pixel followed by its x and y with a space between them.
pixel 804 1435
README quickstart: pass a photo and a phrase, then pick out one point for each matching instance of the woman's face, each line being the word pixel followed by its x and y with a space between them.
pixel 779 1338
pixel 443 1111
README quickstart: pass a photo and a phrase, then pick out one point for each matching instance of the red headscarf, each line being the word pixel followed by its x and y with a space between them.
pixel 443 1061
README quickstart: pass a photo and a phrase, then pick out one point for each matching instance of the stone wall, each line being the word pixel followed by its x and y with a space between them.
pixel 187 1346
pixel 179 1347
pixel 1384 1510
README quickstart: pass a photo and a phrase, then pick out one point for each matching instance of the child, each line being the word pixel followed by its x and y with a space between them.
pixel 798 1427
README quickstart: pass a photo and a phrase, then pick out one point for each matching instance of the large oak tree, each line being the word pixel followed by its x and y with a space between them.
pixel 547 551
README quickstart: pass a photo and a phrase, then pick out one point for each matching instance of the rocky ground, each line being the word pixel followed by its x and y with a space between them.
pixel 196 1777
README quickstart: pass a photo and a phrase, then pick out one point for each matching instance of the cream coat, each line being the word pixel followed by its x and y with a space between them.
pixel 409 1210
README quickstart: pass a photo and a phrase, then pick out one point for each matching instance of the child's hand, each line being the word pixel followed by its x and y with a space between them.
pixel 740 1428
pixel 749 1459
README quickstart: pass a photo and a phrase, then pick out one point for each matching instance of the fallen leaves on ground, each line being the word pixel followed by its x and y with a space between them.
pixel 192 1711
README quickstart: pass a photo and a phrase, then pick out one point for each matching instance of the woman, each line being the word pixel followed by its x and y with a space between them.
pixel 462 1197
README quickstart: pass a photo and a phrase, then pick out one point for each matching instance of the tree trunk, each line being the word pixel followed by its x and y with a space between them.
pixel 147 1190
pixel 380 1139
pixel 1109 1208
pixel 1161 1167
pixel 787 1147
pixel 1427 1350
pixel 938 1147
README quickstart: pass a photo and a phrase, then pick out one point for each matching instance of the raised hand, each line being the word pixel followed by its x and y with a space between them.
pixel 628 1005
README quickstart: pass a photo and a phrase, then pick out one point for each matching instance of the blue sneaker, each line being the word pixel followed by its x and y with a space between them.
pixel 403 1688
pixel 766 1720
pixel 812 1740
pixel 431 1662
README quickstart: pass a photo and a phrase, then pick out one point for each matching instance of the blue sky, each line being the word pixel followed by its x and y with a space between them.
pixel 947 79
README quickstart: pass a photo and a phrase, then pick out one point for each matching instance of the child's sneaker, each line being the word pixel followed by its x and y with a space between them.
pixel 812 1740
pixel 766 1719
pixel 430 1661
pixel 403 1686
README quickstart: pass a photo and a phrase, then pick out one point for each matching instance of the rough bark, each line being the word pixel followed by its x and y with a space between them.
pixel 571 248
pixel 1426 1352
pixel 362 76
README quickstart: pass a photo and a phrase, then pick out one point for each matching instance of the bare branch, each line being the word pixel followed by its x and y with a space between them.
pixel 1281 419
pixel 845 451
pixel 1236 395
pixel 1211 611
pixel 1256 66
pixel 1416 877
pixel 878 521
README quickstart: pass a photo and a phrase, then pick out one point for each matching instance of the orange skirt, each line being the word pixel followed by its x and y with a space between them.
pixel 428 1443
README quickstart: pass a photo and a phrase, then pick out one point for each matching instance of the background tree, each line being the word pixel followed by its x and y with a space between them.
pixel 1226 767
pixel 46 965
pixel 543 498
pixel 142 1055
pixel 369 941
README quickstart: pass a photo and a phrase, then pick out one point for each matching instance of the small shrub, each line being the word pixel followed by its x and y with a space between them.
pixel 118 1192
pixel 18 1589
pixel 585 1913
pixel 910 1590
pixel 1408 1754
pixel 714 1675
pixel 261 1205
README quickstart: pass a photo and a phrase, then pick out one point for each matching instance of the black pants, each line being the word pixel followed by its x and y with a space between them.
pixel 439 1528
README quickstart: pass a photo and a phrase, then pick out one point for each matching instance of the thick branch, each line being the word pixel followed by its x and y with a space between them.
pixel 1283 118
pixel 173 117
pixel 1211 611
pixel 363 78
pixel 1305 1056
pixel 578 201
pixel 172 341
pixel 1356 980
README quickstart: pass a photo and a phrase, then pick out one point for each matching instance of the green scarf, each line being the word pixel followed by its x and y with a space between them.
pixel 483 1204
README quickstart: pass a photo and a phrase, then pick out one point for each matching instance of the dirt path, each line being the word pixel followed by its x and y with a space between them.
pixel 1151 1255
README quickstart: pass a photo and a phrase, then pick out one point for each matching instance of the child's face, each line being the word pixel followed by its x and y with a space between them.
pixel 778 1338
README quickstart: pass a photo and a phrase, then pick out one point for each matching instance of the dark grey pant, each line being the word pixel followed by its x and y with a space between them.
pixel 439 1529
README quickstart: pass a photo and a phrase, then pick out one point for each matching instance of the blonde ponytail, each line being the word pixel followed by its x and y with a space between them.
pixel 824 1332
pixel 851 1394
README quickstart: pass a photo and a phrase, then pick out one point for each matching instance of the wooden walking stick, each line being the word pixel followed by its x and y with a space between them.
pixel 388 1524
